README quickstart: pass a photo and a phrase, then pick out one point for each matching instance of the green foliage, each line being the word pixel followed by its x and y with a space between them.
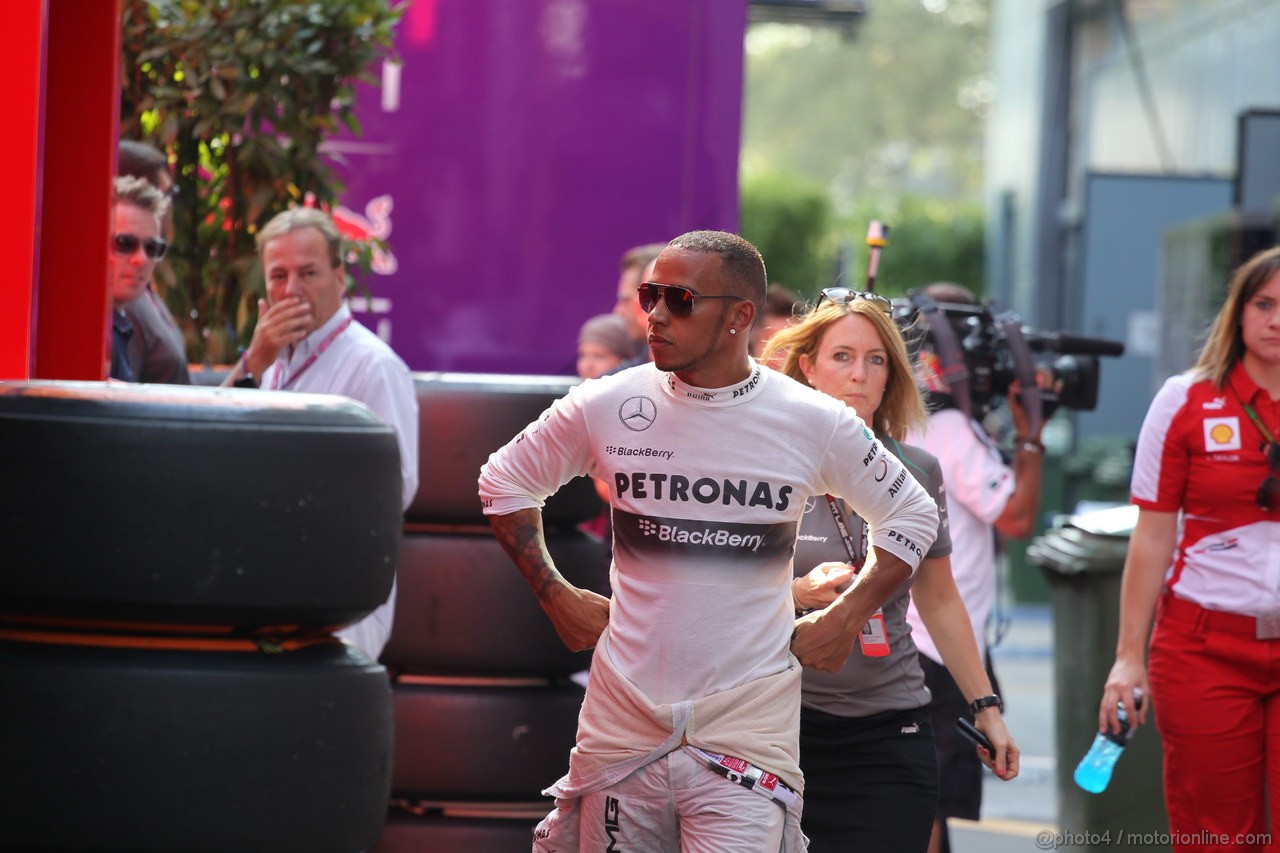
pixel 240 94
pixel 790 222
pixel 802 241
pixel 897 109
pixel 929 240
pixel 889 125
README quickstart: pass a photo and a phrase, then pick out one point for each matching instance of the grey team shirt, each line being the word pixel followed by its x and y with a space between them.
pixel 708 487
pixel 870 685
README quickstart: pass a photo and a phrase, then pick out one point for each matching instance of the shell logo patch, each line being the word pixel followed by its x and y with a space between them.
pixel 1221 434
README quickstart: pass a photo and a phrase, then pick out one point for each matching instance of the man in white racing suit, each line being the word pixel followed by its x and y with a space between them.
pixel 688 735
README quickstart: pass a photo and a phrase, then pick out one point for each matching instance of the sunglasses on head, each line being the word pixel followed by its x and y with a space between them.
pixel 154 247
pixel 843 296
pixel 1268 496
pixel 680 300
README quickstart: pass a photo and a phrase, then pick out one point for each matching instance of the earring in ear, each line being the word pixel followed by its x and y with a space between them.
pixel 733 331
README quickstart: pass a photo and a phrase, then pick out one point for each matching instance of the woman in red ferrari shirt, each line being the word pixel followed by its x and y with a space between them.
pixel 1208 457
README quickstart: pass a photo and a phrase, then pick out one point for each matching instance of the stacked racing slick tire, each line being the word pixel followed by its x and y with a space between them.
pixel 463 417
pixel 176 562
pixel 463 608
pixel 109 747
pixel 485 707
pixel 229 509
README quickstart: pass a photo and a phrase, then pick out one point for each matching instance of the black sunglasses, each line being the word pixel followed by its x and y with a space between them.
pixel 154 248
pixel 680 300
pixel 1268 496
pixel 843 296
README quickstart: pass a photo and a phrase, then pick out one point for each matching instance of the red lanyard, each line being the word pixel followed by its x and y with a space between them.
pixel 279 384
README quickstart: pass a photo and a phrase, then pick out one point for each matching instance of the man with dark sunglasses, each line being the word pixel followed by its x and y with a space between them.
pixel 689 731
pixel 135 247
pixel 157 349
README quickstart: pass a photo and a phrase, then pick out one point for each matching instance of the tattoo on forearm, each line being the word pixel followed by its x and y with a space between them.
pixel 520 535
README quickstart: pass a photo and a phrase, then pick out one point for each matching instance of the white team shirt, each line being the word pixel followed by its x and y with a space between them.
pixel 707 488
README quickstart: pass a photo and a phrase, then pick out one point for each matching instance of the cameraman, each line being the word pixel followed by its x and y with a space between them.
pixel 984 496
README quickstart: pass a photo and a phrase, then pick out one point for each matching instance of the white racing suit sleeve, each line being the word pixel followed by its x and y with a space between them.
pixel 546 454
pixel 901 517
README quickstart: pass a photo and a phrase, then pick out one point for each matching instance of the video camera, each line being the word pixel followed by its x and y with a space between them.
pixel 979 350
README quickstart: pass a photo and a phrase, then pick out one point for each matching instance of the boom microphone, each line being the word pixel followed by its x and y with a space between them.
pixel 877 239
pixel 1069 344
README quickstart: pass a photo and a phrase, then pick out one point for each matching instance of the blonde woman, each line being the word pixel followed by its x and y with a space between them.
pixel 866 743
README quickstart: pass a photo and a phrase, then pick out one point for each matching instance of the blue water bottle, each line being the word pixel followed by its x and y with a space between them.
pixel 1094 770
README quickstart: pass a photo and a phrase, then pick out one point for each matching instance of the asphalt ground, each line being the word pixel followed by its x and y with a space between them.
pixel 1016 815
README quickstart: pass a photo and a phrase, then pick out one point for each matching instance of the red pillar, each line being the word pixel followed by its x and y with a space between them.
pixel 62 64
pixel 81 126
pixel 22 68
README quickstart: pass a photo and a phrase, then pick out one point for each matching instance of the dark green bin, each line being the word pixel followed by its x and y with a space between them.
pixel 1082 559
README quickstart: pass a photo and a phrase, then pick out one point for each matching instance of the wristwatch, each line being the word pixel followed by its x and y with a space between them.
pixel 248 380
pixel 1029 445
pixel 984 702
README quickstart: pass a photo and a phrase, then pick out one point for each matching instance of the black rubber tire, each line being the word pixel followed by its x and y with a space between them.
pixel 445 834
pixel 462 607
pixel 482 742
pixel 144 749
pixel 195 505
pixel 463 418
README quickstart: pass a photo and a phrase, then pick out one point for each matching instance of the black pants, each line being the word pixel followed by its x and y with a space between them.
pixel 871 783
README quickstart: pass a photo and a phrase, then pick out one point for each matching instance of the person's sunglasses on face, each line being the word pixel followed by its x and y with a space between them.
pixel 680 301
pixel 154 248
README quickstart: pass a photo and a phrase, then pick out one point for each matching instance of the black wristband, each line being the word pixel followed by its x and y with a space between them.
pixel 984 702
pixel 247 381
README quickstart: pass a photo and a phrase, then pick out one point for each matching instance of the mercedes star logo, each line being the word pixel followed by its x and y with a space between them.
pixel 637 413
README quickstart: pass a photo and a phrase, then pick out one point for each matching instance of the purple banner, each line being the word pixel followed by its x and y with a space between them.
pixel 519 150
